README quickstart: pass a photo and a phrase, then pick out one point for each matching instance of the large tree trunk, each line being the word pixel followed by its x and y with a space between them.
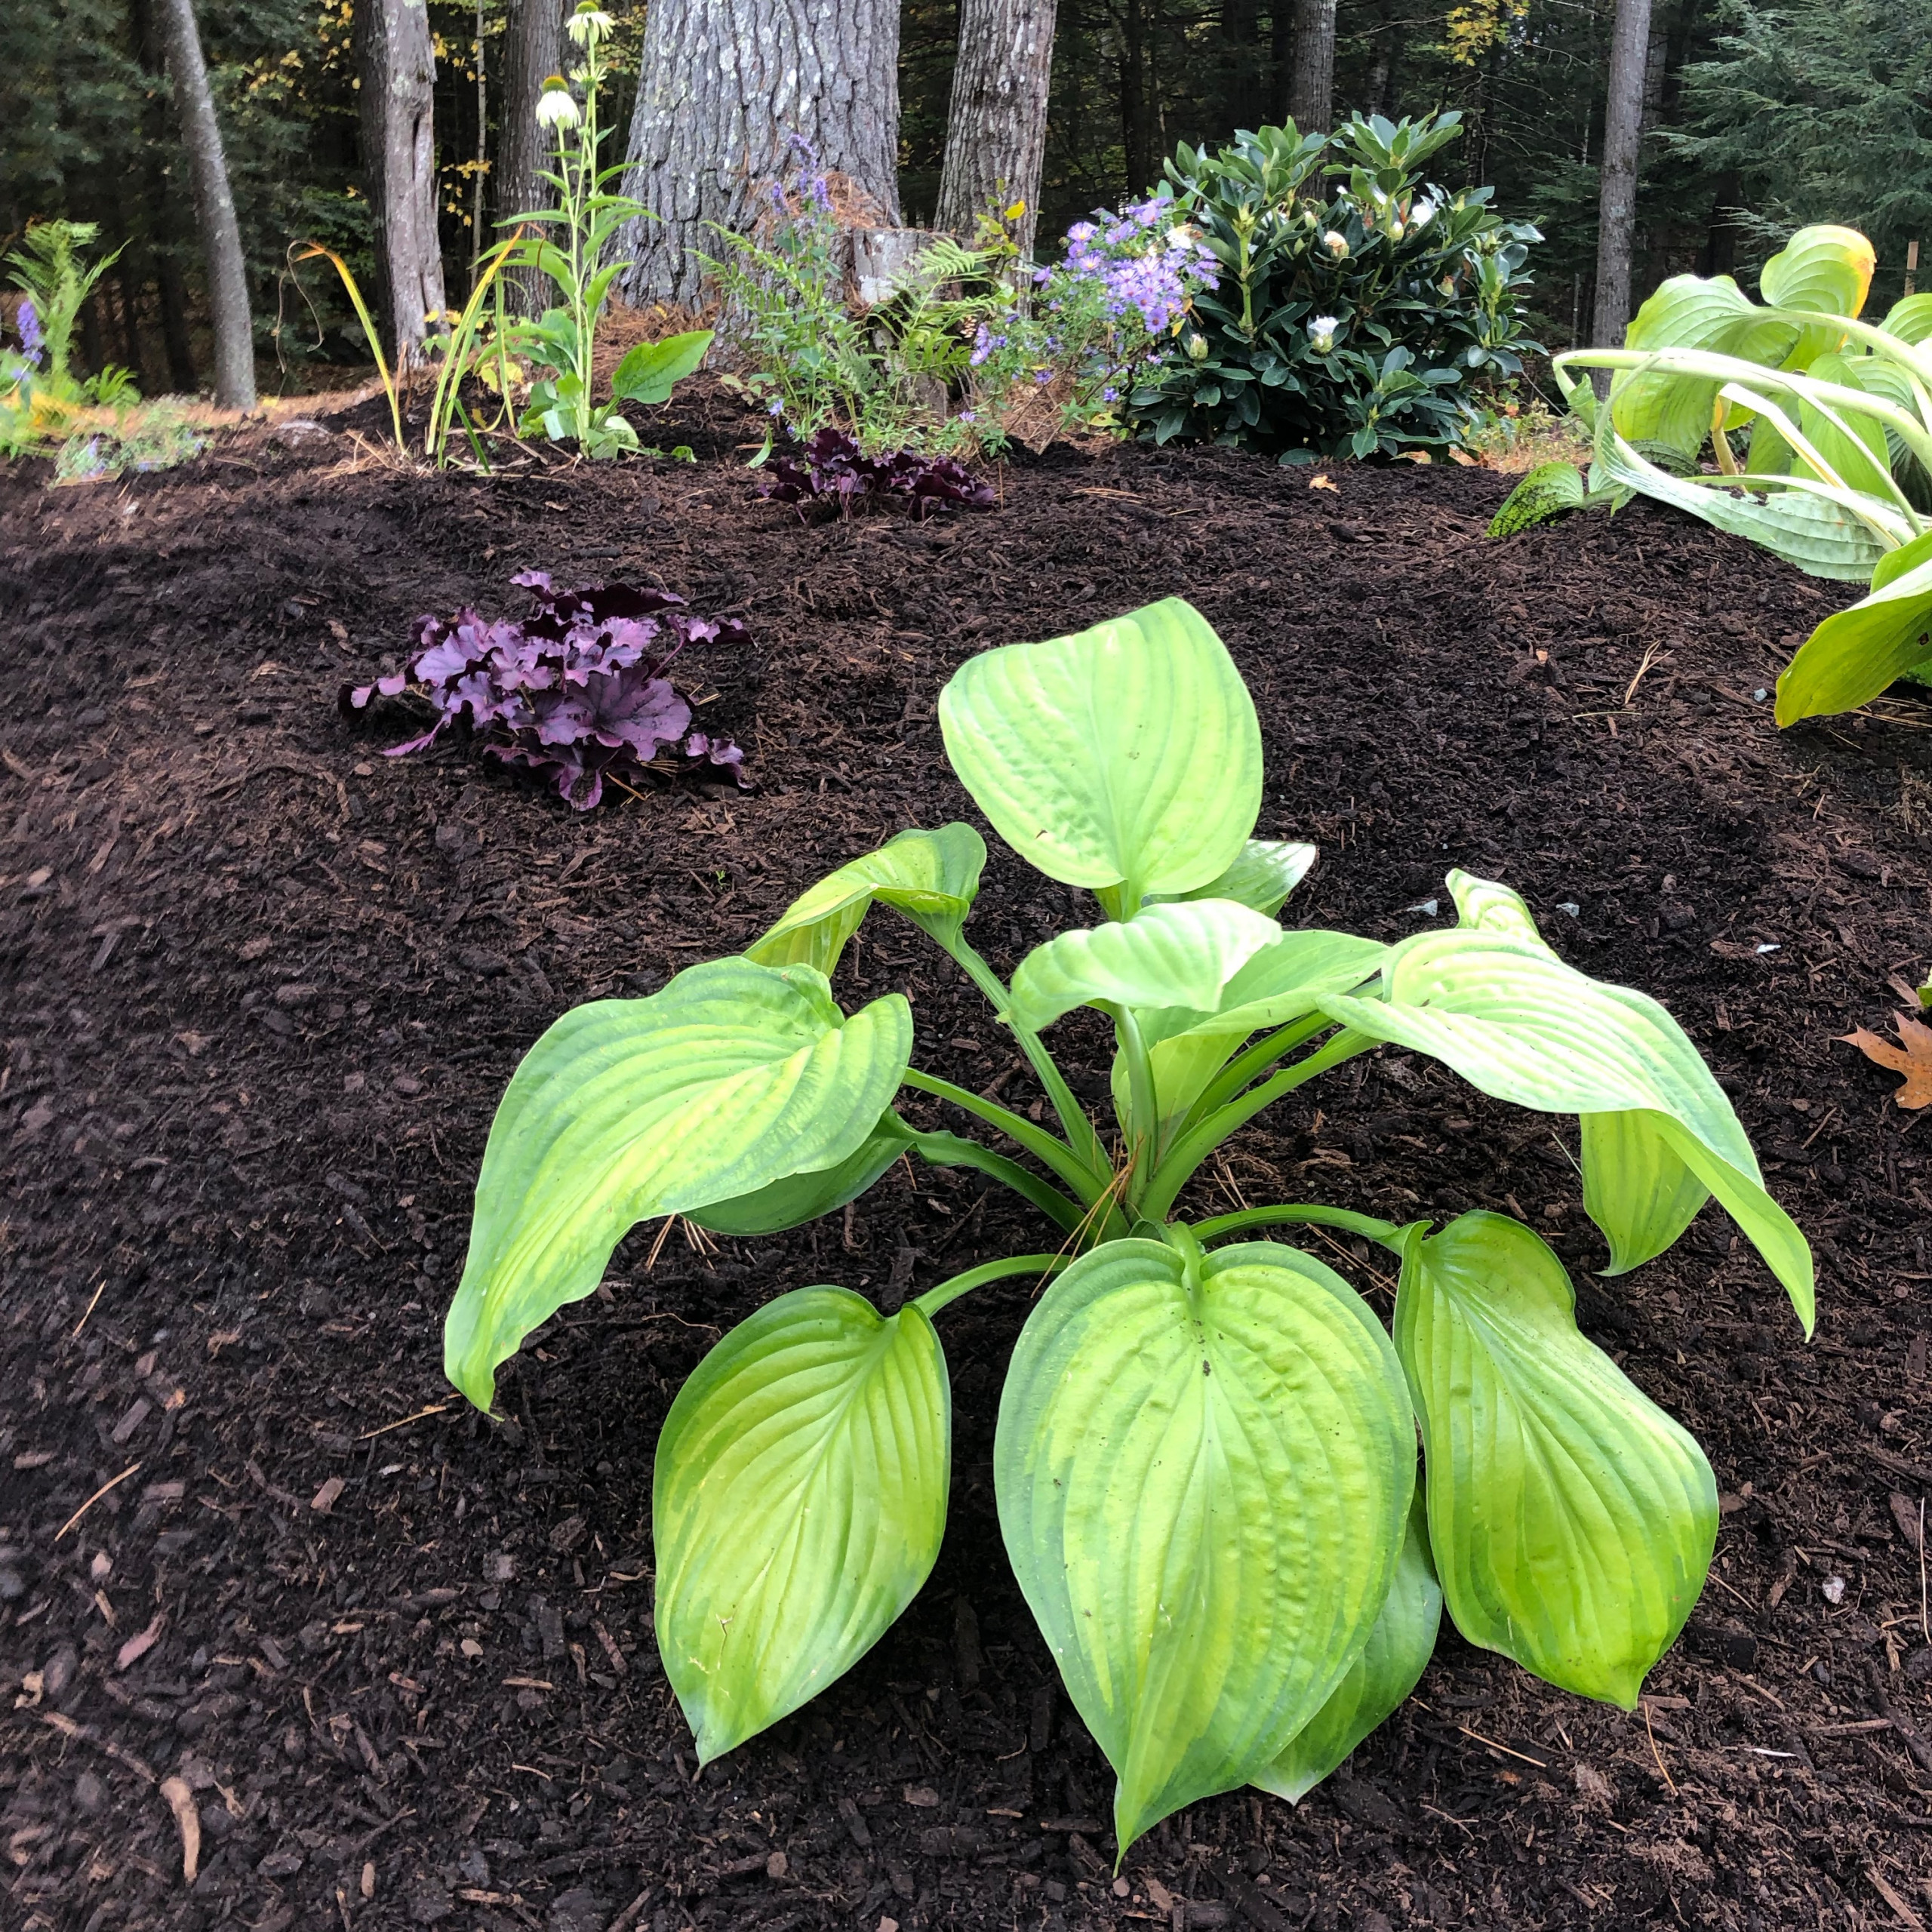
pixel 723 85
pixel 397 65
pixel 996 132
pixel 532 49
pixel 214 208
pixel 1137 138
pixel 1622 140
pixel 1311 85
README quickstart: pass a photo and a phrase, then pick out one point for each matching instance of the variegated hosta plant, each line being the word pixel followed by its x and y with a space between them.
pixel 1206 1459
pixel 1832 419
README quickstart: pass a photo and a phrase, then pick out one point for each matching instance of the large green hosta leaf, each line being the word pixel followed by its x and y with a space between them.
pixel 797 1198
pixel 1261 878
pixel 1851 657
pixel 1514 1020
pixel 1398 1650
pixel 1572 1520
pixel 798 1502
pixel 1203 1469
pixel 1126 758
pixel 1178 955
pixel 932 877
pixel 733 1077
pixel 1687 312
pixel 1824 270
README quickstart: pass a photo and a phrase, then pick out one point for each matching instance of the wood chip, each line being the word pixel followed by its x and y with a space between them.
pixel 325 1498
pixel 181 1802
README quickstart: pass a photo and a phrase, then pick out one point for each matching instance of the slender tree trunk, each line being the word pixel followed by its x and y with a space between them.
pixel 723 85
pixel 1245 76
pixel 996 132
pixel 1311 85
pixel 214 208
pixel 1622 141
pixel 397 64
pixel 1136 142
pixel 532 49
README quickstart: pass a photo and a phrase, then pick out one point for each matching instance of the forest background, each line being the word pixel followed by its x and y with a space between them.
pixel 1755 118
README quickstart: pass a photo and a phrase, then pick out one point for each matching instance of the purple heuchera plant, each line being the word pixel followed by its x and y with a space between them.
pixel 576 690
pixel 831 467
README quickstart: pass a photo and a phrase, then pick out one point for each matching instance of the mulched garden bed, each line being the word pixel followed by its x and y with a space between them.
pixel 262 988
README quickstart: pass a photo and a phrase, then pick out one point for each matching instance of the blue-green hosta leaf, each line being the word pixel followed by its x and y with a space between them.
pixel 797 1198
pixel 1399 1651
pixel 1180 955
pixel 1203 1473
pixel 932 877
pixel 1852 656
pixel 798 1506
pixel 734 1076
pixel 1515 1021
pixel 1572 1520
pixel 1265 872
pixel 1812 532
pixel 1126 758
pixel 652 370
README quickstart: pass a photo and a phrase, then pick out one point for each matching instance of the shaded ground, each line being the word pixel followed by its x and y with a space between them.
pixel 259 990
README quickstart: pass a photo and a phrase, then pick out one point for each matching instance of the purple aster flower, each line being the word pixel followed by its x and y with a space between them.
pixel 28 321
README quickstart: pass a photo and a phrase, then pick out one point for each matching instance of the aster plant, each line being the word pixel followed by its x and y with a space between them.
pixel 1206 1457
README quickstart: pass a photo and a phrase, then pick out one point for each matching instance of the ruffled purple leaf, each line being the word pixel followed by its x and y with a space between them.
pixel 829 467
pixel 576 691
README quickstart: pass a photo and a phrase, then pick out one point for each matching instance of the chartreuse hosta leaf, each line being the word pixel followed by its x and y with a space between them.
pixel 932 877
pixel 798 1503
pixel 1851 657
pixel 1572 1520
pixel 1398 1650
pixel 1514 1020
pixel 797 1198
pixel 733 1077
pixel 1202 1466
pixel 1126 758
pixel 1261 878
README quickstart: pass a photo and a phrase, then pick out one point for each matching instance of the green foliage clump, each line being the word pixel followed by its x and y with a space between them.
pixel 1354 307
pixel 39 393
pixel 1205 1461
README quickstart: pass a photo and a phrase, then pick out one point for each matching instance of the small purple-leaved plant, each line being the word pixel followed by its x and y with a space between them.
pixel 576 690
pixel 830 467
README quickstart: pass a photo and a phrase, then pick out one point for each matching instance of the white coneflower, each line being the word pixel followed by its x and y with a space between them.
pixel 1321 332
pixel 1337 243
pixel 588 24
pixel 557 106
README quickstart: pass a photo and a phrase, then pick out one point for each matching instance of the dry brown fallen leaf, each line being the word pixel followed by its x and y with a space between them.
pixel 1912 1057
pixel 1324 483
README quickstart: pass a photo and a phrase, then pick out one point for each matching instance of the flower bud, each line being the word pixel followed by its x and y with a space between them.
pixel 1197 348
pixel 1337 243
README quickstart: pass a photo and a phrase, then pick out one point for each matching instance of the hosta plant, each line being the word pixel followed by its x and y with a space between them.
pixel 1820 426
pixel 1206 1462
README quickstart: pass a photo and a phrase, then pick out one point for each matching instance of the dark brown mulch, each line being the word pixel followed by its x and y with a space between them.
pixel 262 989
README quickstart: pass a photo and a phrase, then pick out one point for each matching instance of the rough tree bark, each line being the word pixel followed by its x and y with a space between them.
pixel 1312 83
pixel 532 49
pixel 723 84
pixel 996 131
pixel 1622 140
pixel 397 65
pixel 214 207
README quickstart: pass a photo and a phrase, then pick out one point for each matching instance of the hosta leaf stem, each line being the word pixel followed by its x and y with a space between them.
pixel 1200 1141
pixel 933 1299
pixel 1386 1233
pixel 1042 1145
pixel 955 1150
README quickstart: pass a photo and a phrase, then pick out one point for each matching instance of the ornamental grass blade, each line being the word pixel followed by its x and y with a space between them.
pixel 797 1505
pixel 1126 758
pixel 1911 1057
pixel 931 877
pixel 1572 1520
pixel 1203 1470
pixel 1397 1652
pixel 732 1077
